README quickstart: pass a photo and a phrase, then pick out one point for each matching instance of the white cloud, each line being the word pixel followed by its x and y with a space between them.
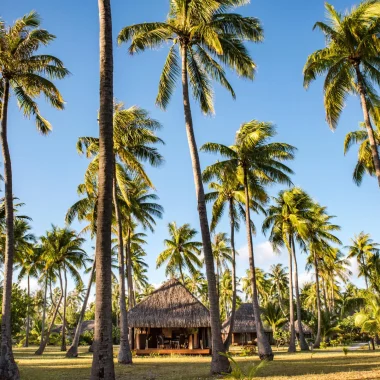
pixel 305 277
pixel 354 267
pixel 264 257
pixel 33 284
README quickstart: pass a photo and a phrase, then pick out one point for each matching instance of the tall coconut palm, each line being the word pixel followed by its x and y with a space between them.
pixel 102 363
pixel 181 251
pixel 262 285
pixel 365 159
pixel 64 255
pixel 26 75
pixel 278 278
pixel 320 236
pixel 30 265
pixel 207 38
pixel 138 206
pixel 256 161
pixel 228 191
pixel 133 142
pixel 222 254
pixel 363 248
pixel 287 221
pixel 350 61
pixel 72 352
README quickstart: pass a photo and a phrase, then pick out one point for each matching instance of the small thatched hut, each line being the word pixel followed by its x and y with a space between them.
pixel 170 319
pixel 244 331
pixel 307 330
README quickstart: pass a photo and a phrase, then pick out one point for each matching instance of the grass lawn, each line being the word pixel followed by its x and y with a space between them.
pixel 322 365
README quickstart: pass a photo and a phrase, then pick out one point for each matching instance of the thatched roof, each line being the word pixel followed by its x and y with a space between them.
pixel 170 306
pixel 305 328
pixel 244 320
pixel 86 326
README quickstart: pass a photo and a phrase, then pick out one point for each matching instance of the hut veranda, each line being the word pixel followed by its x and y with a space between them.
pixel 170 320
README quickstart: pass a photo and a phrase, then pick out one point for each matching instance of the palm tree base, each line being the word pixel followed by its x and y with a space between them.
pixel 266 357
pixel 72 352
pixel 220 365
pixel 8 368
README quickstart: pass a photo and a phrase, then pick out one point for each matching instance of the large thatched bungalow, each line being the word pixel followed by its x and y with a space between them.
pixel 244 331
pixel 170 320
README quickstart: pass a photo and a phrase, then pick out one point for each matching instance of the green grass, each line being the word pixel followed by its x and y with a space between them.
pixel 329 364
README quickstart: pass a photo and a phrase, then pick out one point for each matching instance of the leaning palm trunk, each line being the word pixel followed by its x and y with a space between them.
pixel 27 316
pixel 8 366
pixel 233 272
pixel 102 364
pixel 292 342
pixel 219 363
pixel 73 350
pixel 264 348
pixel 131 297
pixel 63 344
pixel 367 121
pixel 303 344
pixel 44 310
pixel 125 354
pixel 44 342
pixel 318 338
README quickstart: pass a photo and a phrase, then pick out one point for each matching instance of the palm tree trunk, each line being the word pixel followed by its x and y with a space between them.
pixel 367 121
pixel 324 294
pixel 264 348
pixel 181 274
pixel 63 344
pixel 318 338
pixel 365 272
pixel 27 315
pixel 44 342
pixel 228 341
pixel 44 310
pixel 73 350
pixel 125 354
pixel 8 366
pixel 102 364
pixel 292 342
pixel 303 344
pixel 131 298
pixel 219 363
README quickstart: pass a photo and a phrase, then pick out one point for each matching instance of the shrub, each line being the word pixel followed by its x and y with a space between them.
pixel 237 371
pixel 345 351
pixel 323 345
pixel 248 351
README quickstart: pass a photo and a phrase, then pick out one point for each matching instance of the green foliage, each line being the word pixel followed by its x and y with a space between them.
pixel 345 351
pixel 248 351
pixel 86 338
pixel 323 345
pixel 237 372
pixel 19 307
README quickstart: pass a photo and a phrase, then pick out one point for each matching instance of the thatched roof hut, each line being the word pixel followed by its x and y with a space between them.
pixel 244 320
pixel 170 306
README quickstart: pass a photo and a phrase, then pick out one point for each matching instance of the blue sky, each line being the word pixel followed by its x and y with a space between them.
pixel 47 170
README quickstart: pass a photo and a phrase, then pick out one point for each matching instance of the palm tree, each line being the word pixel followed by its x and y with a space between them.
pixel 222 254
pixel 63 252
pixel 262 285
pixel 72 352
pixel 138 206
pixel 368 318
pixel 225 293
pixel 278 278
pixel 102 363
pixel 320 235
pixel 30 265
pixel 350 61
pixel 263 167
pixel 27 75
pixel 203 33
pixel 181 251
pixel 365 160
pixel 288 220
pixel 363 248
pixel 273 316
pixel 133 139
